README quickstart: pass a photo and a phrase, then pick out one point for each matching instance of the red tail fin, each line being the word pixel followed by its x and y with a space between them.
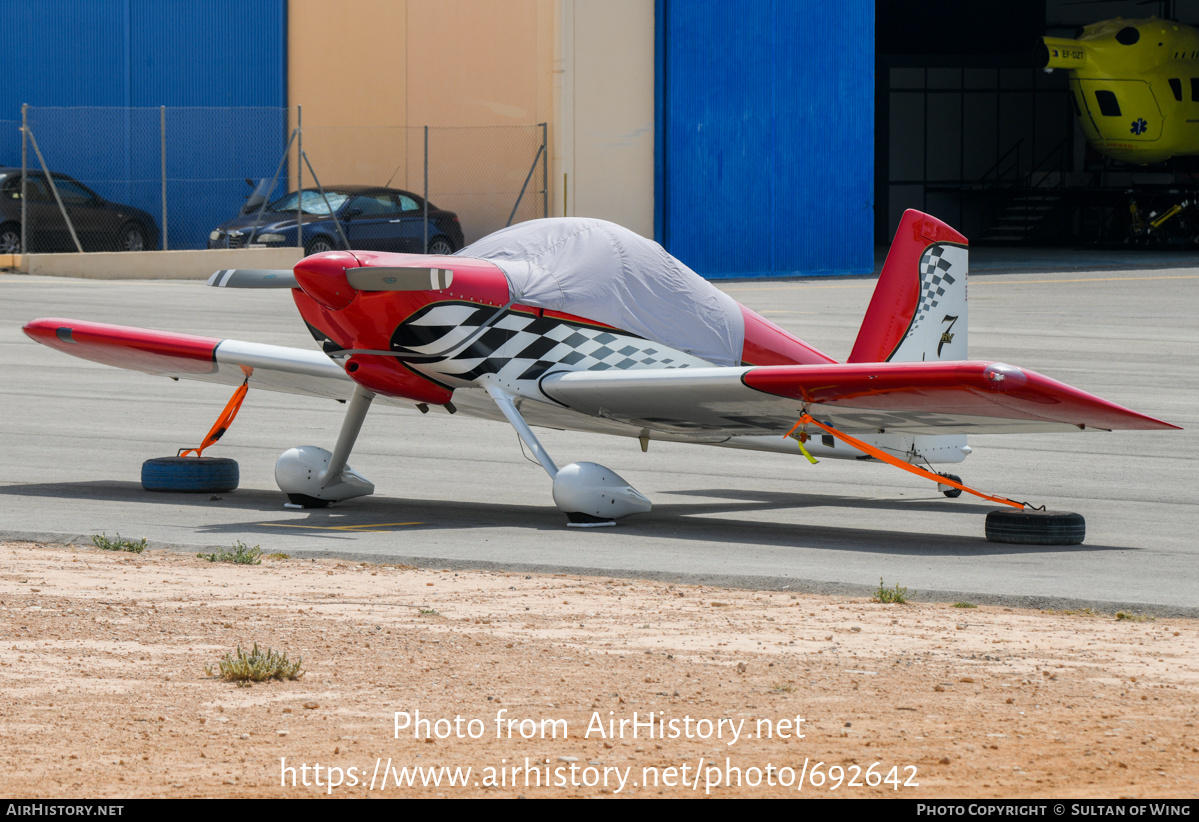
pixel 918 311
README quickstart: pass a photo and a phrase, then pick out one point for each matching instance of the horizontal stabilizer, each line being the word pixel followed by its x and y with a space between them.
pixel 389 278
pixel 253 278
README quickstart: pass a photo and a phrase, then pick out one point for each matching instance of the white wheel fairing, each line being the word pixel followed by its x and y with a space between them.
pixel 301 470
pixel 599 492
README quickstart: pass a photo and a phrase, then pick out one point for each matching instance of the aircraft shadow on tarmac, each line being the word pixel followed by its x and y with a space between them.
pixel 667 521
pixel 741 499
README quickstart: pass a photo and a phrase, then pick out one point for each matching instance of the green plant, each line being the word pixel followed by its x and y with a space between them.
pixel 256 666
pixel 964 605
pixel 278 555
pixel 102 542
pixel 1125 616
pixel 895 595
pixel 241 554
pixel 428 612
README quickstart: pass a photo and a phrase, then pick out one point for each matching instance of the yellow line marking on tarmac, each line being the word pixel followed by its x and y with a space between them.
pixel 377 527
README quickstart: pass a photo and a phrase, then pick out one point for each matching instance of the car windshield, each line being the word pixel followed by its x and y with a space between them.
pixel 311 202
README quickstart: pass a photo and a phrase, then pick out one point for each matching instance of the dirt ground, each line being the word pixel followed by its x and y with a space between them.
pixel 566 686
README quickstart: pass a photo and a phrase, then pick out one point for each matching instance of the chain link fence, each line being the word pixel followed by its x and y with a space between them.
pixel 188 178
pixel 138 178
pixel 488 176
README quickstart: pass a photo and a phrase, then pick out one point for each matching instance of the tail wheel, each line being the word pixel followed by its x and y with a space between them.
pixel 193 475
pixel 949 490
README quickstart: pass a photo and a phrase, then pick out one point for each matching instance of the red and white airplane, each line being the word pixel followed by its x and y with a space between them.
pixel 580 324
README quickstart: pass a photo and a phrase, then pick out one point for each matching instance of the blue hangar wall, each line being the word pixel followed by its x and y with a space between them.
pixel 129 57
pixel 765 136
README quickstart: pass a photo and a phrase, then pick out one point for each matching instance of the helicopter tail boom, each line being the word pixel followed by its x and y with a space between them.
pixel 1063 53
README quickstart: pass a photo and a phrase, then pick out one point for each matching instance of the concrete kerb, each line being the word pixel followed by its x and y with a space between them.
pixel 150 265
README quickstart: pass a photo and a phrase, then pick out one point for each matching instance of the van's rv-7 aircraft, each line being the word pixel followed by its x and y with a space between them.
pixel 582 325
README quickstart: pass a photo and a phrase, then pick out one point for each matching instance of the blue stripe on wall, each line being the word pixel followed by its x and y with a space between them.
pixel 766 137
pixel 143 53
pixel 95 74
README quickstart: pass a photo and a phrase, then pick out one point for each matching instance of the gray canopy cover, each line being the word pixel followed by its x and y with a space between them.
pixel 604 272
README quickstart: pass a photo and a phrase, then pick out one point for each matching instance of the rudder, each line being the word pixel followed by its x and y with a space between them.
pixel 919 308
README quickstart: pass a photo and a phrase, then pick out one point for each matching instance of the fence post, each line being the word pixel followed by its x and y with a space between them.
pixel 426 229
pixel 258 216
pixel 545 174
pixel 54 189
pixel 24 174
pixel 162 134
pixel 299 176
pixel 529 176
pixel 325 197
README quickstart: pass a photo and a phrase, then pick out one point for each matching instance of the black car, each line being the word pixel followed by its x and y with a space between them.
pixel 99 224
pixel 365 217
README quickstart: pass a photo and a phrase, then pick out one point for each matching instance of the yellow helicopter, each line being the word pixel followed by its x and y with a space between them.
pixel 1134 85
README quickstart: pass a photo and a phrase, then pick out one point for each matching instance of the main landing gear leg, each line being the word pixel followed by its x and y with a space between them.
pixel 589 494
pixel 313 477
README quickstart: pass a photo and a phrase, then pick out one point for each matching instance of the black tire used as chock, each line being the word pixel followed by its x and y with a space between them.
pixel 193 475
pixel 1036 527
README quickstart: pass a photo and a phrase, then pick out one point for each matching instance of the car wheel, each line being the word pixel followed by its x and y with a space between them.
pixel 318 246
pixel 132 237
pixel 190 474
pixel 440 245
pixel 10 239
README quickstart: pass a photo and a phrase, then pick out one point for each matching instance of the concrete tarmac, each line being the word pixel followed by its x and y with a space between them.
pixel 457 493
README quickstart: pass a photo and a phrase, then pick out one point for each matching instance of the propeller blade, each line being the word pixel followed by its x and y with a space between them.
pixel 382 278
pixel 253 278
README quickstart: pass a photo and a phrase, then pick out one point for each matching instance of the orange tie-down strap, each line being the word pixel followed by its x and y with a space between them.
pixel 222 422
pixel 898 463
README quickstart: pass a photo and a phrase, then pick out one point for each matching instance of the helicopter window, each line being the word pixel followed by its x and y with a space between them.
pixel 1176 87
pixel 1108 106
pixel 1195 89
pixel 1127 36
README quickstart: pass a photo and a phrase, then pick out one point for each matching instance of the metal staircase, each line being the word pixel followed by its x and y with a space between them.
pixel 1025 206
pixel 1022 215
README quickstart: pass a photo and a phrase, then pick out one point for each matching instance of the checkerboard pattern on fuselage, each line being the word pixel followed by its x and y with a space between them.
pixel 521 346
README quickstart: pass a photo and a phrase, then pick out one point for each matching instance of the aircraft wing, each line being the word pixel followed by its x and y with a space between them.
pixel 907 398
pixel 185 356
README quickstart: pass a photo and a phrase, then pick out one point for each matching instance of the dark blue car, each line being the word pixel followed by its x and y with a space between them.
pixel 360 217
pixel 98 224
